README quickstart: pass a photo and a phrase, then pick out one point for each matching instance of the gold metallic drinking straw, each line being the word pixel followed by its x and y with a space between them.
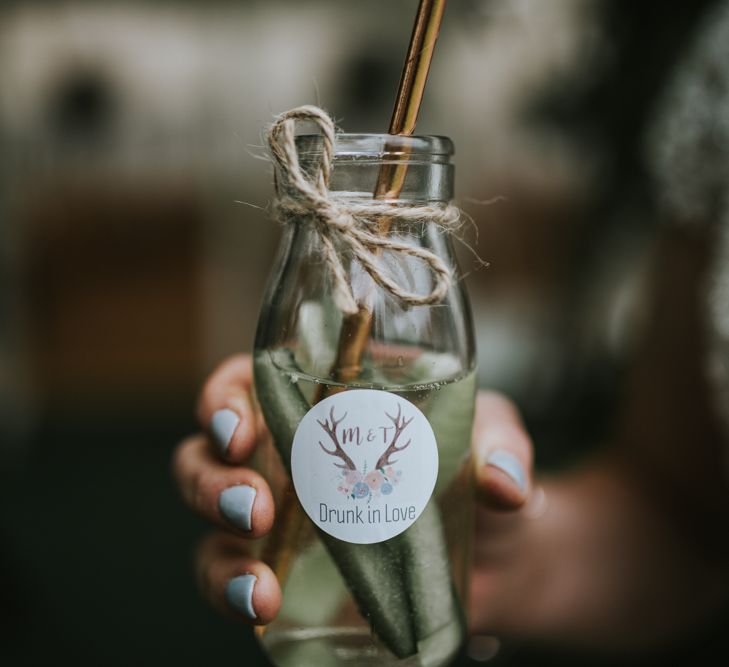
pixel 356 328
pixel 417 65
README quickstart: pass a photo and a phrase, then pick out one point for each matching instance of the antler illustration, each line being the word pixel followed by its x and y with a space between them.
pixel 331 431
pixel 400 425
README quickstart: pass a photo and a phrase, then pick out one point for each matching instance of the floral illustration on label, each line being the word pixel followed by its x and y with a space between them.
pixel 364 464
pixel 360 484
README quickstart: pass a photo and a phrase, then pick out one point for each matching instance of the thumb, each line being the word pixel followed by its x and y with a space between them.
pixel 502 451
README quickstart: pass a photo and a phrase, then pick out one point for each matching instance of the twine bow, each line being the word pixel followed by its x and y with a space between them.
pixel 349 224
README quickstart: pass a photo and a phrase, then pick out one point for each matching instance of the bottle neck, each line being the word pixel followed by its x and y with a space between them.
pixel 401 170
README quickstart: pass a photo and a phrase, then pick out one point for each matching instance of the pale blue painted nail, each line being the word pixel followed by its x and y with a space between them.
pixel 239 594
pixel 223 426
pixel 236 505
pixel 508 463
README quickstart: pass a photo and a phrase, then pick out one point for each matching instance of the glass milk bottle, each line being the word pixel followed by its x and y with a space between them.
pixel 369 399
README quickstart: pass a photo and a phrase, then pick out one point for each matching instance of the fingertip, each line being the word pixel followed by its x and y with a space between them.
pixel 502 479
pixel 509 467
pixel 239 595
pixel 223 425
pixel 266 595
pixel 235 497
pixel 262 510
pixel 499 490
pixel 235 584
pixel 225 411
pixel 241 500
pixel 263 513
pixel 233 428
pixel 503 453
pixel 253 595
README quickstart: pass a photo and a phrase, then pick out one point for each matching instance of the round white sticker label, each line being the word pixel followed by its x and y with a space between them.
pixel 364 464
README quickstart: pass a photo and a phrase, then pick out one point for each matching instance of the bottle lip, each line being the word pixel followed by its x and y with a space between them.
pixel 351 145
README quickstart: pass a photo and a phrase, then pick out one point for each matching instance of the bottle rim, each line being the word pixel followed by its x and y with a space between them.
pixel 379 146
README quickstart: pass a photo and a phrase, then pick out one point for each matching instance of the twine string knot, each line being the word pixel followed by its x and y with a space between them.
pixel 350 225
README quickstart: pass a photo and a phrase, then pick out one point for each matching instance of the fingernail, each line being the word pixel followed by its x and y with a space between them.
pixel 508 463
pixel 236 505
pixel 223 426
pixel 239 594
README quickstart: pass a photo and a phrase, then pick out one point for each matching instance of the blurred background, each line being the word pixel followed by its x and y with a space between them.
pixel 134 248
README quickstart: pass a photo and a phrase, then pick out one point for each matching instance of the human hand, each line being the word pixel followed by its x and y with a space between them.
pixel 214 481
pixel 211 472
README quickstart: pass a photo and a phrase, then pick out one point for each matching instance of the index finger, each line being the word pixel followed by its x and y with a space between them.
pixel 225 409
